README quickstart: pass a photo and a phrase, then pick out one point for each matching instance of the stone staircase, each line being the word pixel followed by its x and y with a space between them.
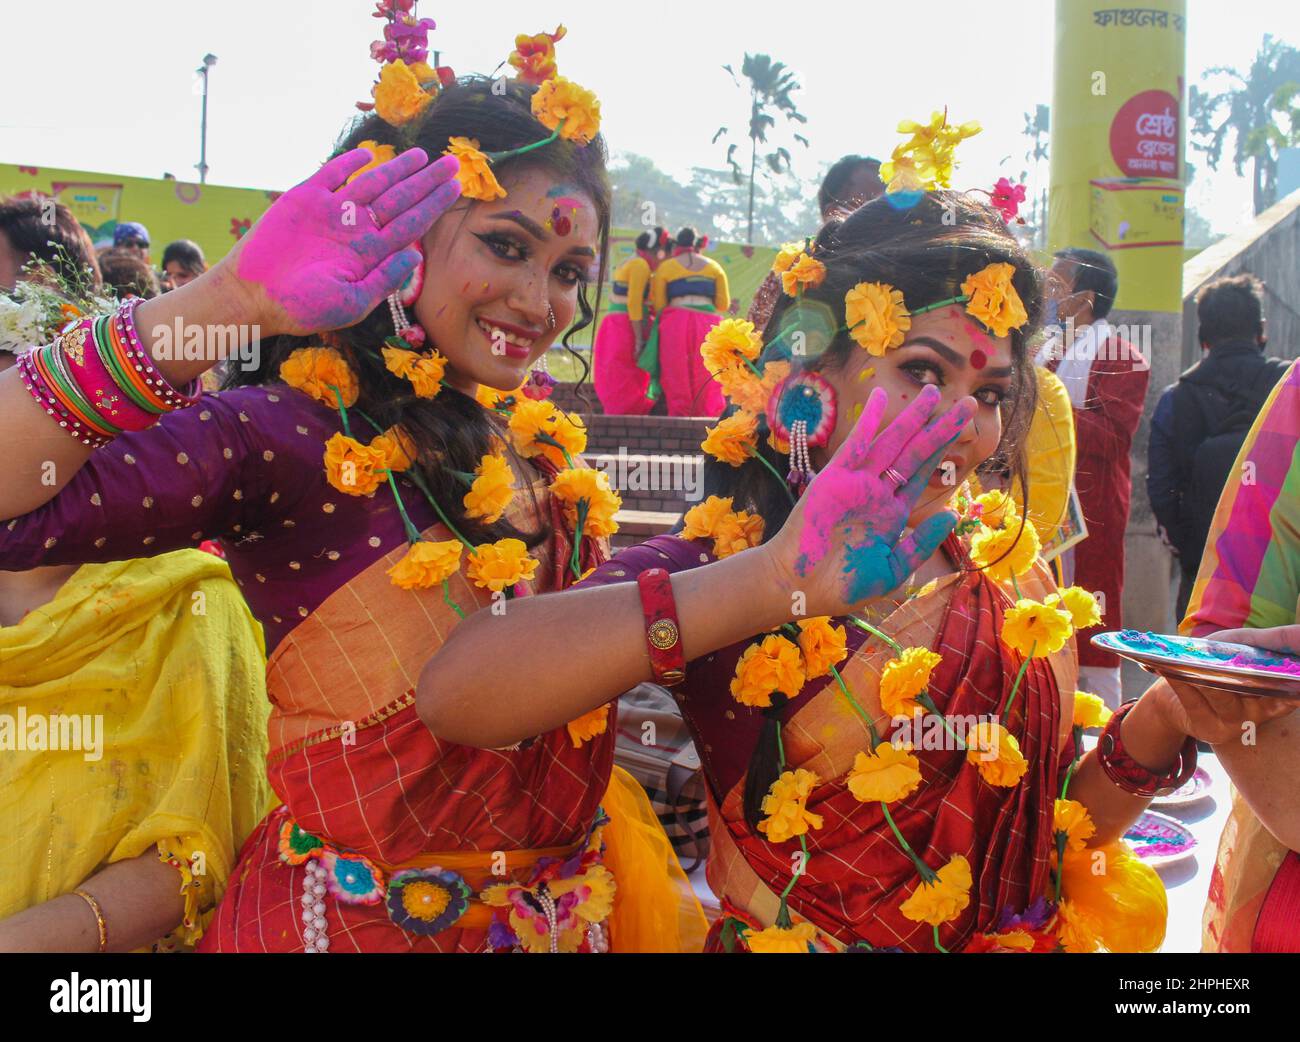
pixel 653 462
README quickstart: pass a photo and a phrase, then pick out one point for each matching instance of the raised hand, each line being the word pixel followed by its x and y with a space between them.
pixel 327 252
pixel 841 544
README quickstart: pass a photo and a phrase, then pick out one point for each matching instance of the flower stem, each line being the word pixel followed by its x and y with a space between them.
pixel 871 727
pixel 936 941
pixel 928 704
pixel 1015 688
pixel 412 533
pixel 496 157
pixel 574 563
pixel 343 410
pixel 1065 785
pixel 862 624
pixel 448 600
pixel 775 473
pixel 927 874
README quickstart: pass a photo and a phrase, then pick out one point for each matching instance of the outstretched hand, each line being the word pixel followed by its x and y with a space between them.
pixel 327 252
pixel 842 544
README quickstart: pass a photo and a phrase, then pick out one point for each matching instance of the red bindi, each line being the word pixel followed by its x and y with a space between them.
pixel 979 359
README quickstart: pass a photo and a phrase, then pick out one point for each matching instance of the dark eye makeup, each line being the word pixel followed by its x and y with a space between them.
pixel 509 248
pixel 919 369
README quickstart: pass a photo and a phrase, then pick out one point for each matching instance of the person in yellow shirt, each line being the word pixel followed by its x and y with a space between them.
pixel 690 294
pixel 620 385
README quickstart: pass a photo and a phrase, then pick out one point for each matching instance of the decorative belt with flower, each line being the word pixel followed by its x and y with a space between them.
pixel 560 906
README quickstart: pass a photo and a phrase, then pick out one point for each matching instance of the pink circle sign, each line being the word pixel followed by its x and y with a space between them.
pixel 1144 135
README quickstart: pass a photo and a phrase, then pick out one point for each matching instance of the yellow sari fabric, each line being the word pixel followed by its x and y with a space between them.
pixel 162 659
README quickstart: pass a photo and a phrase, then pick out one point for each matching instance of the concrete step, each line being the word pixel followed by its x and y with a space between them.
pixel 636 526
pixel 653 481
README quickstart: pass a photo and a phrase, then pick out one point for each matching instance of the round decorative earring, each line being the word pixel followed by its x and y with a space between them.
pixel 801 412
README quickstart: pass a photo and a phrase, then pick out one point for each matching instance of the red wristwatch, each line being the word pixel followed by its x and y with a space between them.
pixel 1130 775
pixel 662 637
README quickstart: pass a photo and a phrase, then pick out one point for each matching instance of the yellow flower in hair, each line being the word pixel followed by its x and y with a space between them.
pixel 1072 818
pixel 354 468
pixel 884 775
pixel 926 160
pixel 424 371
pixel 773 664
pixel 702 520
pixel 736 532
pixel 1005 552
pixel 588 726
pixel 904 677
pixel 491 491
pixel 379 154
pixel 727 343
pixel 805 273
pixel 561 103
pixel 538 428
pixel 943 900
pixel 477 181
pixel 748 391
pixel 1082 606
pixel 399 98
pixel 1115 896
pixel 427 564
pixel 734 440
pixel 494 566
pixel 786 807
pixel 316 371
pixel 534 56
pixel 997 509
pixel 786 257
pixel 578 484
pixel 492 399
pixel 822 644
pixel 778 940
pixel 994 300
pixel 995 753
pixel 876 316
pixel 1035 629
pixel 398 449
pixel 1089 711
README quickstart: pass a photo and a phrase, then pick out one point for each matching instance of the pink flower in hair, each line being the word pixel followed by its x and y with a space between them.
pixel 1007 198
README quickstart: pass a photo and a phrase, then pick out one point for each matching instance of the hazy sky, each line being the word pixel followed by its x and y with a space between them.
pixel 111 86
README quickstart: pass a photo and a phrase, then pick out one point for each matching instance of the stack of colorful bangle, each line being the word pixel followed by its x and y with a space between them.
pixel 97 380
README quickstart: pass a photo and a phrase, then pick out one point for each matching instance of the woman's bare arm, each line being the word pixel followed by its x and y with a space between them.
pixel 140 899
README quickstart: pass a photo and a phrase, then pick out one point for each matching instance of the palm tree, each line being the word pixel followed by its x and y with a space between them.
pixel 1248 105
pixel 770 87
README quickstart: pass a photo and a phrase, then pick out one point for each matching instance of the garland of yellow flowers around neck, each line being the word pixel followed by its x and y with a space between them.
pixel 536 428
pixel 1121 908
pixel 406 88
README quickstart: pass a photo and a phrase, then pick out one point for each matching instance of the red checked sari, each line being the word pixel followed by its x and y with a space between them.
pixel 856 875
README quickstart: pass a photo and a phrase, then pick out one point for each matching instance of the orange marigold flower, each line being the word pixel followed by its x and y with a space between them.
pixel 494 566
pixel 887 773
pixel 734 440
pixel 316 371
pixel 491 491
pixel 786 256
pixel 736 532
pixel 747 390
pixel 1082 606
pixel 573 110
pixel 494 400
pixel 702 520
pixel 877 318
pixel 994 300
pixel 943 900
pixel 777 940
pixel 538 428
pixel 398 449
pixel 477 181
pixel 822 644
pixel 995 753
pixel 399 98
pixel 423 370
pixel 1089 711
pixel 588 726
pixel 354 468
pixel 379 154
pixel 1006 552
pixel 786 807
pixel 426 564
pixel 1115 896
pixel 1072 818
pixel 806 273
pixel 729 344
pixel 904 677
pixel 582 484
pixel 773 664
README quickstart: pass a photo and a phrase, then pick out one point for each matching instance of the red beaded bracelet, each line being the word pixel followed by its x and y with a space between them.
pixel 663 638
pixel 1129 775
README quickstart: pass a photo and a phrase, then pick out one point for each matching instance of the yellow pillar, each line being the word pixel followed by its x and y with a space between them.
pixel 1118 127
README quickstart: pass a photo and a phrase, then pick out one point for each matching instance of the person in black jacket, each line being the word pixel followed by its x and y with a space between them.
pixel 1201 421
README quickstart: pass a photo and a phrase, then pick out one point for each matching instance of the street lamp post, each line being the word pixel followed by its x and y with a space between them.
pixel 209 60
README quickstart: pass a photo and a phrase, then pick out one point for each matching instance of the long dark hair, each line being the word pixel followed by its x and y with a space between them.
pixel 452 432
pixel 926 251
